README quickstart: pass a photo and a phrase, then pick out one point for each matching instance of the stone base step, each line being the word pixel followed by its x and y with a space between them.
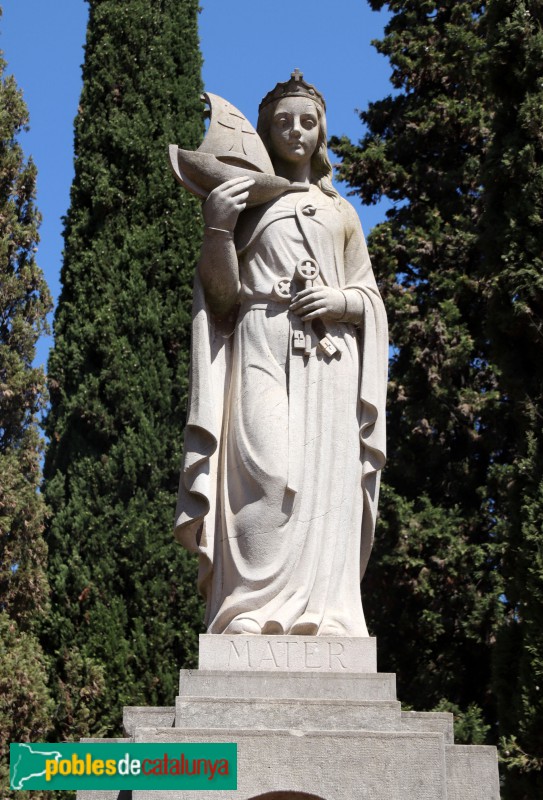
pixel 331 686
pixel 299 714
pixel 437 721
pixel 341 765
pixel 472 772
pixel 337 765
pixel 147 717
pixel 228 712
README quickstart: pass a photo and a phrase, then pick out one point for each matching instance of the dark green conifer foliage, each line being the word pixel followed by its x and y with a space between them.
pixel 513 248
pixel 25 704
pixel 430 591
pixel 125 613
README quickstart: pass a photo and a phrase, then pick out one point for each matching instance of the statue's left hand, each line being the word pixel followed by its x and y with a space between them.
pixel 321 302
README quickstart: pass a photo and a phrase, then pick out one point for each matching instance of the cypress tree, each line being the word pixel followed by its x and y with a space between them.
pixel 125 613
pixel 513 269
pixel 431 589
pixel 25 704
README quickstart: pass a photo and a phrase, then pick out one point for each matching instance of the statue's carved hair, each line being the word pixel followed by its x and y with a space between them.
pixel 321 168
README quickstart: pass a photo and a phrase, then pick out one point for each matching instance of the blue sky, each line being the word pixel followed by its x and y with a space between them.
pixel 247 45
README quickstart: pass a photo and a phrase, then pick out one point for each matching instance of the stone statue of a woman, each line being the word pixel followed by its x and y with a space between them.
pixel 285 436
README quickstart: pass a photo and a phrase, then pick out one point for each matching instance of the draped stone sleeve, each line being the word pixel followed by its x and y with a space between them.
pixel 345 247
pixel 197 503
pixel 373 337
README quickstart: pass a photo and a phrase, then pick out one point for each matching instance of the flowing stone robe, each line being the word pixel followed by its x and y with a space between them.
pixel 283 452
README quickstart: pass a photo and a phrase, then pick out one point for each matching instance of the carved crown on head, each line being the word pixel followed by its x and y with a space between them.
pixel 295 87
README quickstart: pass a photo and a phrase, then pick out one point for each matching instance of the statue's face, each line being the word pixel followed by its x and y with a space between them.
pixel 294 132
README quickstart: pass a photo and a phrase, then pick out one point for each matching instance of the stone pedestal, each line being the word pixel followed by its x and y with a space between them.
pixel 287 654
pixel 313 720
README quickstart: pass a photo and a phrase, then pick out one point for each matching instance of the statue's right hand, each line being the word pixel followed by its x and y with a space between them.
pixel 226 202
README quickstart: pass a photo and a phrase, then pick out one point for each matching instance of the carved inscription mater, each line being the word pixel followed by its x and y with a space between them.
pixel 288 653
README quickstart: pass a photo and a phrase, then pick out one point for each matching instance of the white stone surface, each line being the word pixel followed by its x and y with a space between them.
pixel 331 685
pixel 288 653
pixel 274 714
pixel 147 717
pixel 334 766
pixel 438 721
pixel 472 773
